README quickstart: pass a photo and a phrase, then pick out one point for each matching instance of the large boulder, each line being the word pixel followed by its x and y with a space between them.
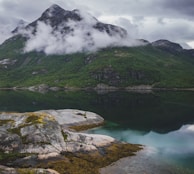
pixel 48 131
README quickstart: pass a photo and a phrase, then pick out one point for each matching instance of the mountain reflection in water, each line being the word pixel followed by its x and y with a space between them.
pixel 175 147
pixel 158 111
pixel 161 120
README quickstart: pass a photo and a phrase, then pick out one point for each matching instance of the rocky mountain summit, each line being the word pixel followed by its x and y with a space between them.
pixel 34 138
pixel 61 20
pixel 165 44
pixel 172 47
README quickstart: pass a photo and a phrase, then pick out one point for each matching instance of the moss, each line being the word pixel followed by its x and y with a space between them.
pixel 31 119
pixel 9 157
pixel 39 118
pixel 3 122
pixel 91 162
pixel 85 127
pixel 64 135
pixel 26 171
pixel 15 131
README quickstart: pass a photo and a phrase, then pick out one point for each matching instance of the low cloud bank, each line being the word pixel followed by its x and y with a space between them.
pixel 78 36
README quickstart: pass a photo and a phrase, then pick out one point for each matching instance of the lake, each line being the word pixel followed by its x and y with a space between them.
pixel 163 121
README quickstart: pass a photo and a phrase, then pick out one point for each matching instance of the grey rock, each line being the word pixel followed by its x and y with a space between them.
pixel 167 45
pixel 8 170
pixel 107 74
pixel 5 63
pixel 47 132
pixel 9 142
pixel 58 18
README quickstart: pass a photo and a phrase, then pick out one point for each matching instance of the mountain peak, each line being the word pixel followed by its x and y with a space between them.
pixel 55 6
pixel 54 10
pixel 57 26
pixel 59 18
pixel 167 45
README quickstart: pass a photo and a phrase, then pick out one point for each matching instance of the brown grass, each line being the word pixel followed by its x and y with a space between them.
pixel 91 162
pixel 85 127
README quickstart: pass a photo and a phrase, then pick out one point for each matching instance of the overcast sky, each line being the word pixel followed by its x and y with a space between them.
pixel 146 19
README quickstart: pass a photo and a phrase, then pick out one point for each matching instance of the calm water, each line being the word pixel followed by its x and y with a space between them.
pixel 164 121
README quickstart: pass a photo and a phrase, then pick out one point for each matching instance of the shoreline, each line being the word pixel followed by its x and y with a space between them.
pixel 46 140
pixel 139 88
pixel 145 161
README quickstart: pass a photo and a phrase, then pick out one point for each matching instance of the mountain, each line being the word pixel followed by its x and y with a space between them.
pixel 167 45
pixel 59 31
pixel 73 49
pixel 59 19
pixel 172 47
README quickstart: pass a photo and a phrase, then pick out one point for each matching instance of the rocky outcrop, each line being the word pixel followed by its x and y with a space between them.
pixel 172 47
pixel 5 63
pixel 107 74
pixel 8 170
pixel 139 87
pixel 37 141
pixel 167 45
pixel 48 131
pixel 101 87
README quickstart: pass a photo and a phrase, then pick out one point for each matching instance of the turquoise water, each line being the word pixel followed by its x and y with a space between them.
pixel 163 121
pixel 174 148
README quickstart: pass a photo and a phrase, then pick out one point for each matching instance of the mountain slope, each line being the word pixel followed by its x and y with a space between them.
pixel 119 67
pixel 158 64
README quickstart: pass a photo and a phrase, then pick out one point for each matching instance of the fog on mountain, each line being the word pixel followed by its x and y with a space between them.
pixel 59 31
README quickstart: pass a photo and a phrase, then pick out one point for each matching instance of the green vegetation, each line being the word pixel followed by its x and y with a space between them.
pixel 31 119
pixel 4 122
pixel 8 157
pixel 85 127
pixel 27 171
pixel 37 118
pixel 121 67
pixel 75 163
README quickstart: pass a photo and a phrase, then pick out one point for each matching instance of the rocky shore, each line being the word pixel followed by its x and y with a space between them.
pixel 48 141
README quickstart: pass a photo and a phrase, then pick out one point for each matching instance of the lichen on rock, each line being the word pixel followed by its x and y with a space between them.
pixel 43 138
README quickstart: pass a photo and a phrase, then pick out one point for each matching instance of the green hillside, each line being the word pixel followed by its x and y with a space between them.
pixel 119 67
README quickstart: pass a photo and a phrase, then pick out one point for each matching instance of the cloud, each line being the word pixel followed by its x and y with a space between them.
pixel 132 28
pixel 7 25
pixel 179 142
pixel 81 36
pixel 4 34
pixel 176 30
pixel 148 18
pixel 182 7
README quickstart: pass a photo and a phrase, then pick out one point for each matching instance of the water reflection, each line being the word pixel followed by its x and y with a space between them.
pixel 162 120
pixel 159 111
pixel 176 147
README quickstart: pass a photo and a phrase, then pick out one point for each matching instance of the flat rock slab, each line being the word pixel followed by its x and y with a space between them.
pixel 73 117
pixel 47 132
pixel 8 170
